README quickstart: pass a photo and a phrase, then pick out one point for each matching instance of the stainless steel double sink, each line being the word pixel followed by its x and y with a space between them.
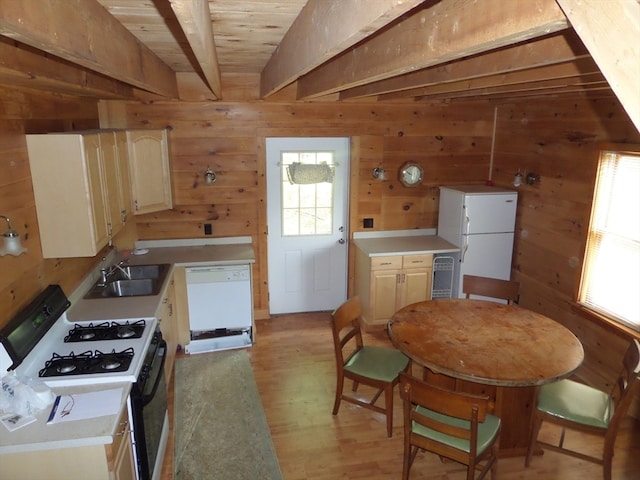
pixel 131 281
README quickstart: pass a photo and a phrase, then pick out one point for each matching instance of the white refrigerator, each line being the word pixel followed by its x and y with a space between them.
pixel 480 220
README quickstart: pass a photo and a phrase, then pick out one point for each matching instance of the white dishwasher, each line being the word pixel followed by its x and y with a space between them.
pixel 220 305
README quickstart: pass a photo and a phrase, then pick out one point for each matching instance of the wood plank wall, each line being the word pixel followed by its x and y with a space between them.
pixel 559 141
pixel 452 143
pixel 25 111
pixel 556 139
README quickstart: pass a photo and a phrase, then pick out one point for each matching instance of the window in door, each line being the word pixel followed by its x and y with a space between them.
pixel 307 193
pixel 611 274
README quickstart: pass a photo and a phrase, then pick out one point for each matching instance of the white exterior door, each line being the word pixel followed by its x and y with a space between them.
pixel 307 212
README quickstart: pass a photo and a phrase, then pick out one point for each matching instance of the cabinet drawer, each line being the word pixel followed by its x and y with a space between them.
pixel 417 261
pixel 386 263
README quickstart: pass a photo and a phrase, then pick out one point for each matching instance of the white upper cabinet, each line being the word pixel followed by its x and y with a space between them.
pixel 149 170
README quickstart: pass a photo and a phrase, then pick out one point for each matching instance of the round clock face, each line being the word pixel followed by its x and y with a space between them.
pixel 411 174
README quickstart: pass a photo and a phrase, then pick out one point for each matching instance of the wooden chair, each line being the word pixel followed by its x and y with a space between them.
pixel 580 407
pixel 375 366
pixel 450 424
pixel 491 287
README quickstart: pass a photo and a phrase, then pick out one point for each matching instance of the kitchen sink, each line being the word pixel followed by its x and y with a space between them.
pixel 136 272
pixel 130 288
pixel 131 281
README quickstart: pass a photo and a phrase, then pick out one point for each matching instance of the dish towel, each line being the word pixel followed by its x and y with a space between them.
pixel 302 174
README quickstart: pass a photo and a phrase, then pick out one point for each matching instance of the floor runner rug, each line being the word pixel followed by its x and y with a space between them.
pixel 221 431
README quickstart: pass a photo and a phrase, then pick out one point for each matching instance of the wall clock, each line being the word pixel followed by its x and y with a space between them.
pixel 411 174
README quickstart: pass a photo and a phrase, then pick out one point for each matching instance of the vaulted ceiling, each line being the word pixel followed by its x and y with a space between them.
pixel 325 50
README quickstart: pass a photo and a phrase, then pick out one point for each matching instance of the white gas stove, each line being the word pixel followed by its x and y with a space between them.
pixel 41 343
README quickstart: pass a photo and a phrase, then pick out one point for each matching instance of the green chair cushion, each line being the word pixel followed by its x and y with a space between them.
pixel 576 402
pixel 379 363
pixel 487 430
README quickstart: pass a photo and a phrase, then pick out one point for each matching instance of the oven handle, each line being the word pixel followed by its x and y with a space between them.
pixel 146 399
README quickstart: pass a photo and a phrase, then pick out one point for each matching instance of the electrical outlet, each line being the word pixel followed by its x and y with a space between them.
pixel 367 223
pixel 207 229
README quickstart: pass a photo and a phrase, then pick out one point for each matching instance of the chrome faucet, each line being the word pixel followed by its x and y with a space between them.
pixel 106 272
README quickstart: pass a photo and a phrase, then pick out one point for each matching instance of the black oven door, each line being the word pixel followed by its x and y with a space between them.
pixel 149 408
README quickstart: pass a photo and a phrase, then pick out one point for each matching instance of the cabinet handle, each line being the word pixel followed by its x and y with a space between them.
pixel 124 430
pixel 385 263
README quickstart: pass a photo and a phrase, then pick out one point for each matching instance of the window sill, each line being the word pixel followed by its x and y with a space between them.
pixel 611 325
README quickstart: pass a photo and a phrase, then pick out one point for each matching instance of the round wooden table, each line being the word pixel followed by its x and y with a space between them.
pixel 506 347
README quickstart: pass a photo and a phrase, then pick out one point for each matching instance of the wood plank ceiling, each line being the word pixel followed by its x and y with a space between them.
pixel 329 50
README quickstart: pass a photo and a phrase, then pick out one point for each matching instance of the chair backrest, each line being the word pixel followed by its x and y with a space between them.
pixel 491 287
pixel 469 407
pixel 626 386
pixel 345 325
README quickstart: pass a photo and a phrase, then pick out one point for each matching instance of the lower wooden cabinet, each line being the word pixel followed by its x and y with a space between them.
pixel 167 319
pixel 113 461
pixel 386 284
pixel 120 452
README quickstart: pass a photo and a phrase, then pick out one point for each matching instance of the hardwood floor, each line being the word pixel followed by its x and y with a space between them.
pixel 294 368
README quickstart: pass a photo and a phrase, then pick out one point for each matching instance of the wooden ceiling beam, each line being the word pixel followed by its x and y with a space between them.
pixel 27 67
pixel 322 30
pixel 560 72
pixel 441 32
pixel 194 17
pixel 599 91
pixel 554 86
pixel 611 32
pixel 550 50
pixel 84 33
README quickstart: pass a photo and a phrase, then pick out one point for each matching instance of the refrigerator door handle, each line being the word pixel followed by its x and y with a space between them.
pixel 464 248
pixel 466 224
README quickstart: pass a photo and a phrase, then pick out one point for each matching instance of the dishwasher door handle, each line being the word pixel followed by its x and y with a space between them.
pixel 202 269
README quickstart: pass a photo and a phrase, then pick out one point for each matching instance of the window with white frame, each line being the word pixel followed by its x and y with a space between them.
pixel 610 283
pixel 307 193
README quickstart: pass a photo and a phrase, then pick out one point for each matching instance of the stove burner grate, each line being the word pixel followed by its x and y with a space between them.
pixel 88 362
pixel 105 331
